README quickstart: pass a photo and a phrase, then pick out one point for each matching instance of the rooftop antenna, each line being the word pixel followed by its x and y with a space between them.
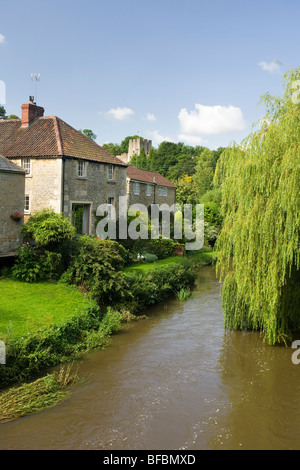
pixel 35 77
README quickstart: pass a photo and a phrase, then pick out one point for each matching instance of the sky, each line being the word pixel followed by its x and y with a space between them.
pixel 189 71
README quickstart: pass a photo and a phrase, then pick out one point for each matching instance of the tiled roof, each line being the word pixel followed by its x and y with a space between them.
pixel 48 137
pixel 147 176
pixel 7 166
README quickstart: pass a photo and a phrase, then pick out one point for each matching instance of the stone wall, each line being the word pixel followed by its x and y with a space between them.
pixel 93 189
pixel 135 146
pixel 43 184
pixel 154 198
pixel 11 200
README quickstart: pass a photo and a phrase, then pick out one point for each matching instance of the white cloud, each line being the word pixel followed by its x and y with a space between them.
pixel 157 138
pixel 2 38
pixel 150 117
pixel 270 66
pixel 120 114
pixel 192 139
pixel 210 120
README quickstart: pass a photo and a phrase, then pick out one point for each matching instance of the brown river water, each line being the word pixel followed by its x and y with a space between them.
pixel 176 381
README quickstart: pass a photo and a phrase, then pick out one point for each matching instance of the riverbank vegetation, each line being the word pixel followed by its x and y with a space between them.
pixel 65 295
pixel 258 248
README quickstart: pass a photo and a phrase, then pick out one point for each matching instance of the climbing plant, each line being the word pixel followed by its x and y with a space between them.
pixel 259 245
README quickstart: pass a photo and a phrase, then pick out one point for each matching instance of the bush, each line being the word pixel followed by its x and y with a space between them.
pixel 161 247
pixel 48 229
pixel 96 265
pixel 149 257
pixel 32 266
pixel 146 288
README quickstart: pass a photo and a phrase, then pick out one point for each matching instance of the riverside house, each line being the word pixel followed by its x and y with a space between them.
pixel 148 187
pixel 12 187
pixel 64 169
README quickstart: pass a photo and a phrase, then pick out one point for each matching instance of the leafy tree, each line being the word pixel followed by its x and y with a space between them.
pixel 89 133
pixel 2 113
pixel 186 192
pixel 258 248
pixel 140 161
pixel 13 116
pixel 204 174
pixel 114 149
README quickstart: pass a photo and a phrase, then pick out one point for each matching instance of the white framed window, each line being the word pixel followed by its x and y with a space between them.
pixel 110 172
pixel 81 169
pixel 110 203
pixel 160 191
pixel 27 204
pixel 164 191
pixel 136 189
pixel 148 190
pixel 26 165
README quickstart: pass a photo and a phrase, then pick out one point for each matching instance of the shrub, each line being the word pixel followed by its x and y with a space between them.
pixel 149 257
pixel 48 229
pixel 161 247
pixel 96 265
pixel 32 266
pixel 29 266
pixel 148 288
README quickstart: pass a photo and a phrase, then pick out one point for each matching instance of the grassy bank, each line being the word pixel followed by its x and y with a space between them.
pixel 199 258
pixel 36 396
pixel 29 307
pixel 46 324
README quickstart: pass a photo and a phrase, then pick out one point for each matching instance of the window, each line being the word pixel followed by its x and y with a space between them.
pixel 81 169
pixel 148 189
pixel 164 191
pixel 110 172
pixel 26 165
pixel 160 191
pixel 136 189
pixel 27 204
pixel 110 203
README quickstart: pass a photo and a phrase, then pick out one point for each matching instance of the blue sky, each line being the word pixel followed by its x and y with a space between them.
pixel 180 70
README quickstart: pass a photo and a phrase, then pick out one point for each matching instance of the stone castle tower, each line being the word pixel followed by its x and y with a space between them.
pixel 134 148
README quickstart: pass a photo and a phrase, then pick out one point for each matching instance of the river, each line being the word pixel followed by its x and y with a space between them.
pixel 176 380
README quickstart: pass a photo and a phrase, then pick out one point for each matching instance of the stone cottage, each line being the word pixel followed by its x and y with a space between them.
pixel 64 169
pixel 148 187
pixel 12 189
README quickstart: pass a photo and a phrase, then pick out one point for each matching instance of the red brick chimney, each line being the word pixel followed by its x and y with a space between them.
pixel 30 111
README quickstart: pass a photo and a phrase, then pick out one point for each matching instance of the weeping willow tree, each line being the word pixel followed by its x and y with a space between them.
pixel 259 246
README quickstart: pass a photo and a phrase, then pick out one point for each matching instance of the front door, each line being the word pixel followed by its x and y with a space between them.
pixel 81 218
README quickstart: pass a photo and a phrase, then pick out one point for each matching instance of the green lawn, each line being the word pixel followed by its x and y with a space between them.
pixel 27 307
pixel 203 257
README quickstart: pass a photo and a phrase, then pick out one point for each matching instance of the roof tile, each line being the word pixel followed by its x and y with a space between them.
pixel 148 176
pixel 48 137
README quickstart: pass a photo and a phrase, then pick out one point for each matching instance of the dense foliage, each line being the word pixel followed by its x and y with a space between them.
pixel 48 229
pixel 258 248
